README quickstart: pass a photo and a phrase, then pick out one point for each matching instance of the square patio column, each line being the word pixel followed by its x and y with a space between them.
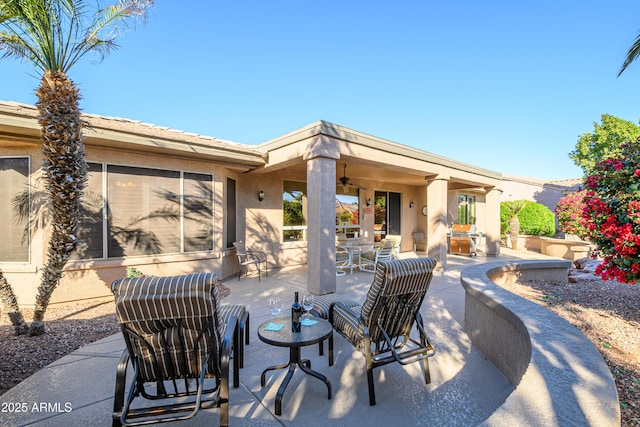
pixel 493 221
pixel 437 191
pixel 321 157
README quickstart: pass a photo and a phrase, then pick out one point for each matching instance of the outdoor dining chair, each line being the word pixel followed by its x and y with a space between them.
pixel 381 328
pixel 419 241
pixel 344 260
pixel 247 257
pixel 369 259
pixel 178 346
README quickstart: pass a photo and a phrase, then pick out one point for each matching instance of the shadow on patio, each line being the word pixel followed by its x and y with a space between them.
pixel 465 387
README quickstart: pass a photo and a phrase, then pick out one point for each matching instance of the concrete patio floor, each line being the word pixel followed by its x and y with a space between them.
pixel 465 388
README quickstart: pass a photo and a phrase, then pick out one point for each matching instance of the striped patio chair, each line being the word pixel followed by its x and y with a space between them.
pixel 179 348
pixel 381 328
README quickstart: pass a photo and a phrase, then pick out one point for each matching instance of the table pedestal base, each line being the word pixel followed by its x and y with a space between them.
pixel 294 360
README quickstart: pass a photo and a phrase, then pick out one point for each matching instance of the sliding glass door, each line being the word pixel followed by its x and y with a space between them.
pixel 387 214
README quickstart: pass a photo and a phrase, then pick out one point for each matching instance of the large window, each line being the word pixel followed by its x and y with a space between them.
pixel 90 225
pixel 466 209
pixel 14 209
pixel 197 212
pixel 294 210
pixel 148 211
pixel 347 212
pixel 142 221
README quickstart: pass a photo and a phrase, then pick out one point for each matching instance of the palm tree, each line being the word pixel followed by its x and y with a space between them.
pixel 514 207
pixel 53 35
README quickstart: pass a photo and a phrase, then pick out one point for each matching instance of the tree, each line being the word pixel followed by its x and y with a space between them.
pixel 603 142
pixel 612 213
pixel 53 35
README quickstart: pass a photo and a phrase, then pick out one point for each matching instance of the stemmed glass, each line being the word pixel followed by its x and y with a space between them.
pixel 274 306
pixel 307 304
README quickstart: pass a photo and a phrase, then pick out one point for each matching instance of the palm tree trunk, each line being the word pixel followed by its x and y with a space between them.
pixel 65 172
pixel 514 226
pixel 10 303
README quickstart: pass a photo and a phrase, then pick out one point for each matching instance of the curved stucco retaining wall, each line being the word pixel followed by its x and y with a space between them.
pixel 560 378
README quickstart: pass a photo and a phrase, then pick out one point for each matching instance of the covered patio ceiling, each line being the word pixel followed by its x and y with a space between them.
pixel 370 158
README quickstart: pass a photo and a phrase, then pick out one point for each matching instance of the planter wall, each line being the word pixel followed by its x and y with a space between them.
pixel 567 249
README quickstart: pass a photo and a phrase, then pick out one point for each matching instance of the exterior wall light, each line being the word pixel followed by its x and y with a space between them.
pixel 369 202
pixel 261 195
pixel 411 204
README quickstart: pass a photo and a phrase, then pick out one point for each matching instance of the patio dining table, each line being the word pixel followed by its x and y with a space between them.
pixel 356 249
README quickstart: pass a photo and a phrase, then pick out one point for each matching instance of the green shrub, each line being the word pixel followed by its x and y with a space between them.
pixel 537 220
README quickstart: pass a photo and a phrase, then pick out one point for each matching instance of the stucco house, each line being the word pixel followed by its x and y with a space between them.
pixel 543 191
pixel 171 202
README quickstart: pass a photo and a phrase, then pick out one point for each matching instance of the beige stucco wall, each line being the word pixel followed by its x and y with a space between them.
pixel 89 279
pixel 380 165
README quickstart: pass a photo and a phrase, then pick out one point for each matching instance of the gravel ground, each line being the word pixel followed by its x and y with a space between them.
pixel 68 327
pixel 608 313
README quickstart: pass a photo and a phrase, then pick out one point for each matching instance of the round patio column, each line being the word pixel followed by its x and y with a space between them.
pixel 322 153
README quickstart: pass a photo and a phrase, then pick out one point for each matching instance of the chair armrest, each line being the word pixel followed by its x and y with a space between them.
pixel 348 317
pixel 262 256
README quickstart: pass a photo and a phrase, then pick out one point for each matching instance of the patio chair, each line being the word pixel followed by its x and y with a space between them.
pixel 178 346
pixel 397 240
pixel 344 260
pixel 381 328
pixel 419 240
pixel 369 259
pixel 247 257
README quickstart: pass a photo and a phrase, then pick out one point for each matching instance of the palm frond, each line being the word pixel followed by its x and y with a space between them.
pixel 55 34
pixel 632 55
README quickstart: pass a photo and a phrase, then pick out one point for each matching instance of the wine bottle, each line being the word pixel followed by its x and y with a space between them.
pixel 296 314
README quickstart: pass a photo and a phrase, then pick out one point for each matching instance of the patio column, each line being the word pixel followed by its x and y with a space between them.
pixel 321 155
pixel 493 221
pixel 437 190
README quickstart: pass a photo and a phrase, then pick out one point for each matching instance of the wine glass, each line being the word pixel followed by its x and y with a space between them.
pixel 307 303
pixel 274 306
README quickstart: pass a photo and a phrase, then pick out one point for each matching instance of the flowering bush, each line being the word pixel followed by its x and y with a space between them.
pixel 612 213
pixel 569 213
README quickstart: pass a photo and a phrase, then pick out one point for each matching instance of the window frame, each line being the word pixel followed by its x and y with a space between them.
pixel 182 177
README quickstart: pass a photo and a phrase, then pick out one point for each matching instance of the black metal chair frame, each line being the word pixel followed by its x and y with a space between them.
pixel 387 339
pixel 215 395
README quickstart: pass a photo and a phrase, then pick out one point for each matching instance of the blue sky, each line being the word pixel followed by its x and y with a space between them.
pixel 504 85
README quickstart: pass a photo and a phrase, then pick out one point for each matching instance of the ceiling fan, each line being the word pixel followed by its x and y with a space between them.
pixel 345 181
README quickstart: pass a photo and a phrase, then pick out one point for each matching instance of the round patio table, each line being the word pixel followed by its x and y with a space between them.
pixel 284 337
